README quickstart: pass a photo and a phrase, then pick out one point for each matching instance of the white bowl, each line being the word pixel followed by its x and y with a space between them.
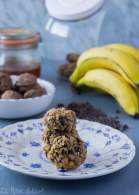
pixel 21 108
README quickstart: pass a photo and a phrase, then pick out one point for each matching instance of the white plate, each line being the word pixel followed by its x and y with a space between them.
pixel 21 108
pixel 108 150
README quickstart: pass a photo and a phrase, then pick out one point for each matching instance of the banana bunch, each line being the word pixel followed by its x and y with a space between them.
pixel 113 69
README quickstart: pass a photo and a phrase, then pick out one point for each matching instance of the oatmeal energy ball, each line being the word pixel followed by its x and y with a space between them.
pixel 60 119
pixel 25 82
pixel 35 92
pixel 67 152
pixel 49 136
pixel 10 94
pixel 5 82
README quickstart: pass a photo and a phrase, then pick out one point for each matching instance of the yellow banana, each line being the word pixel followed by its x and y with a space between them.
pixel 137 92
pixel 108 58
pixel 130 50
pixel 115 85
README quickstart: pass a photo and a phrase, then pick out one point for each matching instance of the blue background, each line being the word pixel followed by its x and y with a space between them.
pixel 119 24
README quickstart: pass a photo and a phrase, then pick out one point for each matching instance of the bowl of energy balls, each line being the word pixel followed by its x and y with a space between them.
pixel 24 95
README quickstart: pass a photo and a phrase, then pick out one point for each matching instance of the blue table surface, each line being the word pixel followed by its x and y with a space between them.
pixel 122 182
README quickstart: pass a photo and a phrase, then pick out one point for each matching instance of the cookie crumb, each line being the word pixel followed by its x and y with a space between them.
pixel 65 70
pixel 72 57
pixel 85 110
pixel 117 111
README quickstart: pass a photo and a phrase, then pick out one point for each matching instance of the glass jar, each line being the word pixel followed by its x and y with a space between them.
pixel 19 51
pixel 72 26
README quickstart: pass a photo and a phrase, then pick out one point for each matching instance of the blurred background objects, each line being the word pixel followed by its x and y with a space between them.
pixel 117 20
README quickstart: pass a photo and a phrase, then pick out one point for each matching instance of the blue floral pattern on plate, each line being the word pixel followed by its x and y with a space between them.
pixel 108 150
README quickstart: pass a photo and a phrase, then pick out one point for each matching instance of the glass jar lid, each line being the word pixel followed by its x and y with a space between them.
pixel 72 9
pixel 18 37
